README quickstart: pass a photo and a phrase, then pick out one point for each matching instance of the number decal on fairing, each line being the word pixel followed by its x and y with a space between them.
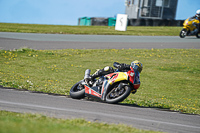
pixel 132 74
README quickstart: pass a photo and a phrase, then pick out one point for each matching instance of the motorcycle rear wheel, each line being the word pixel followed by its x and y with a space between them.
pixel 183 33
pixel 76 92
pixel 198 35
pixel 116 96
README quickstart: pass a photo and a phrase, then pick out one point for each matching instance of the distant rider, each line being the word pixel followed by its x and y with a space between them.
pixel 136 65
pixel 197 25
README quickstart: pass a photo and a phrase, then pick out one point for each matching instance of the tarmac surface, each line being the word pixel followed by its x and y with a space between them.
pixel 9 41
pixel 130 114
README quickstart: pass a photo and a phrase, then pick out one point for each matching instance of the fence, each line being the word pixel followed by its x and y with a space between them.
pixel 131 22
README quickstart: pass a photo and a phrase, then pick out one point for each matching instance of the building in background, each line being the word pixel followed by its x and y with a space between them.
pixel 142 13
pixel 152 12
pixel 151 9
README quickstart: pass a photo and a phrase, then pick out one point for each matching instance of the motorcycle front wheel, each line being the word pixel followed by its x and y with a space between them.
pixel 183 33
pixel 117 95
pixel 77 91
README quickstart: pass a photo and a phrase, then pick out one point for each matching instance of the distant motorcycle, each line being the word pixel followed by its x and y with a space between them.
pixel 189 29
pixel 111 88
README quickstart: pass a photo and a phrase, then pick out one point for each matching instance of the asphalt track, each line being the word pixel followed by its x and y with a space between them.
pixel 64 107
pixel 9 41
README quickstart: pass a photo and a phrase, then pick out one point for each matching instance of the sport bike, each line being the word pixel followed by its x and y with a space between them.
pixel 189 28
pixel 111 88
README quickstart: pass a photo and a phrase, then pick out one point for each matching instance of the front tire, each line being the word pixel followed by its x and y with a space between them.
pixel 116 95
pixel 77 91
pixel 183 33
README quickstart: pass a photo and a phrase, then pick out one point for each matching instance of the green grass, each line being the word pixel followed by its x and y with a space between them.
pixel 93 30
pixel 28 123
pixel 170 78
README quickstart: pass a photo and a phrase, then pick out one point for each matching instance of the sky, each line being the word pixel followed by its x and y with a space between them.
pixel 67 12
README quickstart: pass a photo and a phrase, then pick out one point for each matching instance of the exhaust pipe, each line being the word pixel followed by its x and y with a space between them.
pixel 87 73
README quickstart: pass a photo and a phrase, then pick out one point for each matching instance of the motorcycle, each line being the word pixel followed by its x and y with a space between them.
pixel 189 29
pixel 112 88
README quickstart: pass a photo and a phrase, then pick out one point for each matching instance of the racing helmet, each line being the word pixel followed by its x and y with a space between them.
pixel 198 13
pixel 137 65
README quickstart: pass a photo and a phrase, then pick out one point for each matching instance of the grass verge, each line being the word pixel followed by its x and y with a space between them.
pixel 170 78
pixel 92 30
pixel 29 123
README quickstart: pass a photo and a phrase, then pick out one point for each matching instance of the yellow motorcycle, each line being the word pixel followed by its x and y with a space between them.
pixel 189 28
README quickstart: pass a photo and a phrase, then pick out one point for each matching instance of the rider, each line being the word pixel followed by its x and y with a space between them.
pixel 136 65
pixel 197 16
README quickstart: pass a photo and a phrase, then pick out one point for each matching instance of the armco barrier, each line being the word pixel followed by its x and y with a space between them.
pixel 99 21
pixel 154 22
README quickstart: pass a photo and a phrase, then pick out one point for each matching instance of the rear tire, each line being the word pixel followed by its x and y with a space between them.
pixel 125 92
pixel 77 92
pixel 183 33
pixel 198 35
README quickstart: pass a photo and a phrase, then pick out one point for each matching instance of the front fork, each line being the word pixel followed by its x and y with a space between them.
pixel 185 30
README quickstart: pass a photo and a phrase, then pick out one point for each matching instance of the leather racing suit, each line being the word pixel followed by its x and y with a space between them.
pixel 120 67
